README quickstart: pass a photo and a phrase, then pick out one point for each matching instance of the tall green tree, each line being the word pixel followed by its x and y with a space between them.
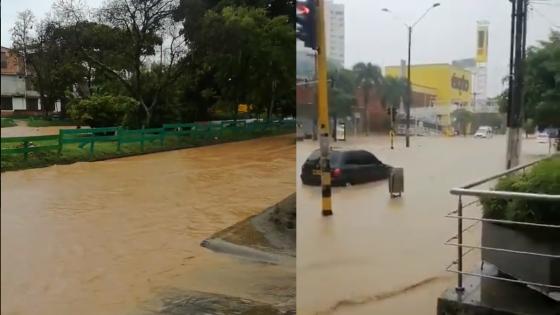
pixel 50 67
pixel 542 85
pixel 368 77
pixel 125 36
pixel 461 119
pixel 394 92
pixel 249 55
pixel 341 92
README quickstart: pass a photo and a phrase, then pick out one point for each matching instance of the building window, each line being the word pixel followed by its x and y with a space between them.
pixel 3 60
pixel 32 104
pixel 6 103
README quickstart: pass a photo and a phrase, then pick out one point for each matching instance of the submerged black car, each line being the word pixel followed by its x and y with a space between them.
pixel 347 167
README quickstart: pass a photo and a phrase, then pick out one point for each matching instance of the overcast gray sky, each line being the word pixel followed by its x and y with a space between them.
pixel 447 33
pixel 10 8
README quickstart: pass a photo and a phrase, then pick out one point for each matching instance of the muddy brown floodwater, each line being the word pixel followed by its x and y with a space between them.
pixel 378 255
pixel 114 237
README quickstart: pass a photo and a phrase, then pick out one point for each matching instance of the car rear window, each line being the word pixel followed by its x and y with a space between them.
pixel 335 157
pixel 360 158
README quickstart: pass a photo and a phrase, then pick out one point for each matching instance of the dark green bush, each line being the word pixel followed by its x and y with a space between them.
pixel 543 178
pixel 104 111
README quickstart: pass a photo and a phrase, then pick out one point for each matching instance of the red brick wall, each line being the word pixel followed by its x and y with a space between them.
pixel 10 113
pixel 378 116
pixel 306 106
pixel 305 94
pixel 14 63
pixel 421 99
pixel 306 101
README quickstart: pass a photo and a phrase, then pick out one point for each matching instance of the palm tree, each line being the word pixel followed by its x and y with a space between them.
pixel 367 77
pixel 341 95
pixel 394 92
pixel 462 118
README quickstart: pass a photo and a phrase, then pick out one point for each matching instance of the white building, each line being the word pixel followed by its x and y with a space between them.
pixel 334 24
pixel 16 96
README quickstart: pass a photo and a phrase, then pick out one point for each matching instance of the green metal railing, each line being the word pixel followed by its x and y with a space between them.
pixel 84 137
pixel 121 136
pixel 26 145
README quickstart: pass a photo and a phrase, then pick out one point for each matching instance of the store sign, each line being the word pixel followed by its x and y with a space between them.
pixel 460 83
pixel 482 43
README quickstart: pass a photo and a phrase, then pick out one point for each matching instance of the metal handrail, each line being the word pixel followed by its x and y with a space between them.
pixel 466 190
pixel 506 172
pixel 554 226
pixel 496 249
pixel 503 194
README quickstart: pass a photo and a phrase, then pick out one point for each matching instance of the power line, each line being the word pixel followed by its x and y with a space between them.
pixel 545 3
pixel 544 16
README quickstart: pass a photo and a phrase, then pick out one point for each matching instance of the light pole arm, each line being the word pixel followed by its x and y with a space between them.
pixel 423 15
pixel 395 17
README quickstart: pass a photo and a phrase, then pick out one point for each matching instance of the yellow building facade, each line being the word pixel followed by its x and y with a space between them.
pixel 450 87
pixel 452 84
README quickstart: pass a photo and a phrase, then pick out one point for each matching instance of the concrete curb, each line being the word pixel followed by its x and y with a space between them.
pixel 221 246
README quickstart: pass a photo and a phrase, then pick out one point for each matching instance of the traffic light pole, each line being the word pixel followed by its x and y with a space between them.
pixel 323 110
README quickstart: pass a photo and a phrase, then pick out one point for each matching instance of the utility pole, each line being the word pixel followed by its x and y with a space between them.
pixel 322 97
pixel 392 131
pixel 409 28
pixel 515 101
pixel 409 90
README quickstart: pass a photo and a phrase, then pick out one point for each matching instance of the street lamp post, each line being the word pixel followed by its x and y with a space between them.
pixel 409 89
pixel 409 84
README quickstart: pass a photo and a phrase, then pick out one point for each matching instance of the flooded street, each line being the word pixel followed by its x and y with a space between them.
pixel 114 237
pixel 378 255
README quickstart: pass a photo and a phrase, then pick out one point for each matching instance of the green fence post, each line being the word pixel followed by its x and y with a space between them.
pixel 161 136
pixel 119 132
pixel 91 149
pixel 142 141
pixel 25 146
pixel 59 143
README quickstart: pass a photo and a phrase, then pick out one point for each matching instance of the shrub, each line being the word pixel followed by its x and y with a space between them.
pixel 104 111
pixel 543 178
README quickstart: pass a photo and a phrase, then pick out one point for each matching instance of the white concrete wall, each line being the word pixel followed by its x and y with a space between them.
pixel 12 85
pixel 18 103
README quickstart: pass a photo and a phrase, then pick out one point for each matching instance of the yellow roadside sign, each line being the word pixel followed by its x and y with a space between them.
pixel 242 108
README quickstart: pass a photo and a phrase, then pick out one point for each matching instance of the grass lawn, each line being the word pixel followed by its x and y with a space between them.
pixel 7 122
pixel 40 122
pixel 106 150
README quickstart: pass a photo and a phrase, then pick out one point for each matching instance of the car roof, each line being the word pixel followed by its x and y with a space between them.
pixel 342 150
pixel 356 151
pixel 339 151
